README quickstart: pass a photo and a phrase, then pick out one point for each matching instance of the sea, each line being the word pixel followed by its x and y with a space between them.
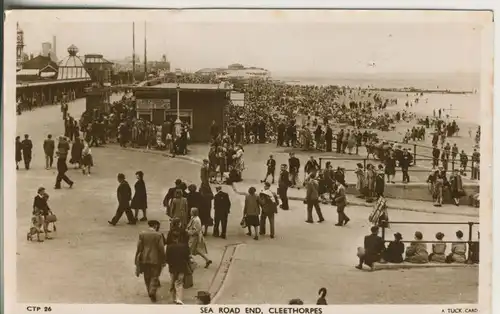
pixel 460 107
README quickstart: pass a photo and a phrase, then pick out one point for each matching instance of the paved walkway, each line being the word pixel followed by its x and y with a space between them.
pixel 89 261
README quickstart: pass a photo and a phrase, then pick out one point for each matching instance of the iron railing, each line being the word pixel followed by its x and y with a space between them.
pixel 469 241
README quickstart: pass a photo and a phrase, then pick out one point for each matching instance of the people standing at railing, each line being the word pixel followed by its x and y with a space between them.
pixel 464 159
pixel 456 187
pixel 458 250
pixel 360 182
pixel 380 182
pixel 404 163
pixel 438 250
pixel 417 251
pixel 454 152
pixel 390 167
pixel 475 164
pixel 370 182
pixel 435 156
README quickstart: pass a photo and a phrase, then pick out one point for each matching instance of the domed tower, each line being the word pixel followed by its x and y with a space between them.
pixel 72 67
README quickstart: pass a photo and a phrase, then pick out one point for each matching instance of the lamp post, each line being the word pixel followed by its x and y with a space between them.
pixel 178 122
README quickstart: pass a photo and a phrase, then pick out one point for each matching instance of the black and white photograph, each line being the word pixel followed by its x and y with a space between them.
pixel 228 157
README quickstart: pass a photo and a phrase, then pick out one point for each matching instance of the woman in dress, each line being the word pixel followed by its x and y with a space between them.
pixel 179 208
pixel 239 163
pixel 370 182
pixel 196 241
pixel 360 183
pixel 456 187
pixel 19 151
pixel 87 161
pixel 76 153
pixel 140 199
pixel 438 250
pixel 251 212
pixel 390 168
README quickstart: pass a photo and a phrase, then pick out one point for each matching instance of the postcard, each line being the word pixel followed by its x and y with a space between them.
pixel 248 161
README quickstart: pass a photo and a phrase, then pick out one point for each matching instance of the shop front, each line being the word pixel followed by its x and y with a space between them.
pixel 199 105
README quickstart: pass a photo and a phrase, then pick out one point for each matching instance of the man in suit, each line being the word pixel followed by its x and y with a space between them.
pixel 283 184
pixel 124 195
pixel 312 199
pixel 271 168
pixel 27 147
pixel 328 138
pixel 222 206
pixel 62 168
pixel 373 248
pixel 405 163
pixel 48 148
pixel 341 202
pixel 294 166
pixel 150 257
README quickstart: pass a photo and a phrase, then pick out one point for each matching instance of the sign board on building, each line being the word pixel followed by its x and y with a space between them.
pixel 153 104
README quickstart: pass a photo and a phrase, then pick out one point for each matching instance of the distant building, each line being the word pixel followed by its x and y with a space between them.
pixel 237 71
pixel 100 69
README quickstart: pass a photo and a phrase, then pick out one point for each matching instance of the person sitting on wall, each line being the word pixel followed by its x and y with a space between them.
pixel 458 250
pixel 373 249
pixel 395 250
pixel 416 253
pixel 438 250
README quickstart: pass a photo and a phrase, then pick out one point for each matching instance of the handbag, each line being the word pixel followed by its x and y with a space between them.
pixel 188 281
pixel 243 223
pixel 50 218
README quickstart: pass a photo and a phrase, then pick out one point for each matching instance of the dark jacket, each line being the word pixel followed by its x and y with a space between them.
pixel 394 252
pixel 49 146
pixel 177 258
pixel 284 180
pixel 405 160
pixel 124 194
pixel 374 247
pixel 379 184
pixel 294 165
pixel 222 204
pixel 27 146
pixel 271 164
pixel 40 204
pixel 140 199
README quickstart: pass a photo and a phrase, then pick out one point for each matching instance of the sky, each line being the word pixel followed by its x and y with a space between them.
pixel 302 44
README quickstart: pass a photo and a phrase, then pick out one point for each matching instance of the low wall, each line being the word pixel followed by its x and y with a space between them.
pixel 418 191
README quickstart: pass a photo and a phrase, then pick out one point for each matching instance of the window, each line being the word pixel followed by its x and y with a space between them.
pixel 186 116
pixel 144 116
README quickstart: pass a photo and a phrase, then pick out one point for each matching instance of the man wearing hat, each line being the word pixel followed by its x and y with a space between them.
pixel 203 298
pixel 150 257
pixel 405 163
pixel 222 206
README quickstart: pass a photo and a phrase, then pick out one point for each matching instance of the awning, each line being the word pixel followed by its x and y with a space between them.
pixel 47 74
pixel 28 72
pixel 53 82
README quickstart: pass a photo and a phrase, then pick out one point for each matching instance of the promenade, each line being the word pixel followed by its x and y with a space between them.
pixel 91 262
